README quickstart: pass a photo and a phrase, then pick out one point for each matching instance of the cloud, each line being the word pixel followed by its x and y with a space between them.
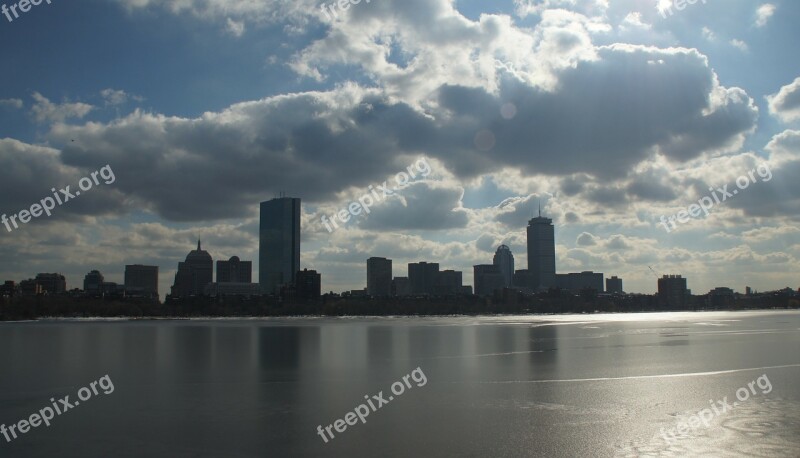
pixel 420 206
pixel 118 97
pixel 613 108
pixel 526 8
pixel 634 21
pixel 764 13
pixel 45 111
pixel 785 105
pixel 235 28
pixel 586 239
pixel 740 45
pixel 29 172
pixel 12 103
pixel 224 11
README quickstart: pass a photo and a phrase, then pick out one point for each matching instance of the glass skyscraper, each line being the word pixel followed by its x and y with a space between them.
pixel 541 252
pixel 279 243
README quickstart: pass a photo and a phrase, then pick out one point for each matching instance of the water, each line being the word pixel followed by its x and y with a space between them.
pixel 585 385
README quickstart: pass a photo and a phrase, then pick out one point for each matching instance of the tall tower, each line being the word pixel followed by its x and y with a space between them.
pixel 505 260
pixel 279 243
pixel 193 274
pixel 542 252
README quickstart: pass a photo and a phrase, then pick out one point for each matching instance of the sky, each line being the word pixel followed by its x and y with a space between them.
pixel 610 114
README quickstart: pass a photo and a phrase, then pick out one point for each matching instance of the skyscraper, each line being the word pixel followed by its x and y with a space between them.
pixel 542 252
pixel 194 274
pixel 379 277
pixel 279 243
pixel 505 260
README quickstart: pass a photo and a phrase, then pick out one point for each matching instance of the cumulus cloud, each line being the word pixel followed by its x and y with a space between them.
pixel 740 45
pixel 46 111
pixel 596 111
pixel 118 97
pixel 785 105
pixel 764 13
pixel 12 103
pixel 29 172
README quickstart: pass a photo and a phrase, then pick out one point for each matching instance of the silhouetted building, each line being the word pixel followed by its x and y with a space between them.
pixel 401 287
pixel 448 282
pixel 92 282
pixel 721 298
pixel 194 274
pixel 672 292
pixel 8 289
pixel 488 278
pixel 524 279
pixel 30 287
pixel 232 289
pixel 309 284
pixel 505 260
pixel 423 277
pixel 542 252
pixel 614 285
pixel 234 270
pixel 52 283
pixel 111 289
pixel 379 277
pixel 577 282
pixel 279 243
pixel 142 280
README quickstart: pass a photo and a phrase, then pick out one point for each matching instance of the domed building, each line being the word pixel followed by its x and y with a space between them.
pixel 193 274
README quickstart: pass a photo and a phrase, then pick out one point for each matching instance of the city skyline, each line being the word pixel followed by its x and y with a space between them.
pixel 280 224
pixel 609 114
pixel 534 228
